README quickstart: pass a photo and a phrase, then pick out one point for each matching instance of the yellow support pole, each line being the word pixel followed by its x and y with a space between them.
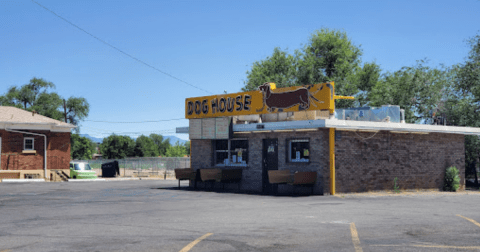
pixel 332 160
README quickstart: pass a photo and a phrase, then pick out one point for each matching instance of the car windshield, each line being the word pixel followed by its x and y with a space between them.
pixel 82 167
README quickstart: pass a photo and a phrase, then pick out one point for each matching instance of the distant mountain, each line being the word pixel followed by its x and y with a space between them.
pixel 94 139
pixel 174 139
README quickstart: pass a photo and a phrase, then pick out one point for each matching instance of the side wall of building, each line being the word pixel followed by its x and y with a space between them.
pixel 364 161
pixel 13 157
pixel 368 161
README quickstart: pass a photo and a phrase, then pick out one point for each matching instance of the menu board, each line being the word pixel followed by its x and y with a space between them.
pixel 209 128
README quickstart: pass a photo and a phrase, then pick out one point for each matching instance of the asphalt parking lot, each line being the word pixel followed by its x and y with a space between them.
pixel 153 215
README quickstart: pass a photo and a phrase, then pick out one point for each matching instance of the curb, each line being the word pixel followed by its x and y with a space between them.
pixel 85 180
pixel 156 179
pixel 121 179
pixel 22 180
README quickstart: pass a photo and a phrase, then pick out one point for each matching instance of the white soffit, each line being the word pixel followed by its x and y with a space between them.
pixel 309 124
pixel 404 127
pixel 356 125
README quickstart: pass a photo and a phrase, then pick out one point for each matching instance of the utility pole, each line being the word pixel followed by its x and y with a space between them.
pixel 475 165
pixel 65 110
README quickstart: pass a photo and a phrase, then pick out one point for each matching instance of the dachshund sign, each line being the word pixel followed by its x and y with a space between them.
pixel 267 99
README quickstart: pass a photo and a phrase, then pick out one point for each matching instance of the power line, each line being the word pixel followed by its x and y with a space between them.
pixel 119 50
pixel 167 120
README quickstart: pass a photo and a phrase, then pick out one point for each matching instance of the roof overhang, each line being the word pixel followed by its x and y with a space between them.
pixel 354 126
pixel 37 126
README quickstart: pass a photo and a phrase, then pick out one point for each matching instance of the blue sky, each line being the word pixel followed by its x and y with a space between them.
pixel 208 44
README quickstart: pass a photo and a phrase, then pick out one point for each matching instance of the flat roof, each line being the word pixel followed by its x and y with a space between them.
pixel 356 125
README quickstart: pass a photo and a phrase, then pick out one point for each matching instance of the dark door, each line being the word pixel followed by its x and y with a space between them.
pixel 270 162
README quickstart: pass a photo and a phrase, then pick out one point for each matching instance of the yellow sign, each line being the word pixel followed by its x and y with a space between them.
pixel 267 99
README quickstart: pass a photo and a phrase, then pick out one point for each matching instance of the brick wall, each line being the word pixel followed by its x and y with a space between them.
pixel 318 158
pixel 367 161
pixel 364 161
pixel 201 153
pixel 58 151
pixel 252 174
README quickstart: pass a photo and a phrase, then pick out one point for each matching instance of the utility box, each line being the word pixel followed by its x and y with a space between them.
pixel 110 170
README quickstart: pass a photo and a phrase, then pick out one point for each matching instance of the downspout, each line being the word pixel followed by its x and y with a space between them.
pixel 45 148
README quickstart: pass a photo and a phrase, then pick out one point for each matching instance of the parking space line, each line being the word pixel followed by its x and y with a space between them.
pixel 472 221
pixel 431 246
pixel 191 244
pixel 355 239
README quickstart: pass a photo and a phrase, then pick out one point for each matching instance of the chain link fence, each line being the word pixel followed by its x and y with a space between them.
pixel 144 166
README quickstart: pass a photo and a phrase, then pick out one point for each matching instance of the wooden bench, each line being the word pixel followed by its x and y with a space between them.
pixel 231 176
pixel 297 179
pixel 184 174
pixel 279 177
pixel 304 179
pixel 212 175
pixel 221 175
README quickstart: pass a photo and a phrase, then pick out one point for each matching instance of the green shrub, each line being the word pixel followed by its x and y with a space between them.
pixel 395 186
pixel 452 180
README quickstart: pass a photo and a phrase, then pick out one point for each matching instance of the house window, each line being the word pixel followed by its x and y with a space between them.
pixel 28 143
pixel 231 152
pixel 298 150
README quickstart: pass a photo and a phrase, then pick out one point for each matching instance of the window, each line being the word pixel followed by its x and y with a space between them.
pixel 298 150
pixel 28 143
pixel 231 152
pixel 82 167
pixel 239 152
pixel 221 152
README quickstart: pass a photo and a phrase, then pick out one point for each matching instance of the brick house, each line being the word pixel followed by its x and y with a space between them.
pixel 32 145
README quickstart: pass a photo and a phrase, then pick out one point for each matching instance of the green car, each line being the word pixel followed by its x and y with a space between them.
pixel 81 170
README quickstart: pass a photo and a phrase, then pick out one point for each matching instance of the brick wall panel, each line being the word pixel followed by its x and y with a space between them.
pixel 417 160
pixel 58 147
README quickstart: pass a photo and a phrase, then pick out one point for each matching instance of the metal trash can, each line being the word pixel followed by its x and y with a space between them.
pixel 110 170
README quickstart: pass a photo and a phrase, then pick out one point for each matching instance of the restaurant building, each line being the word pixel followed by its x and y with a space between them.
pixel 292 140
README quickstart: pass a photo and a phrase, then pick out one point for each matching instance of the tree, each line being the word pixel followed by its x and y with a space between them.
pixel 178 150
pixel 279 68
pixel 37 86
pixel 367 79
pixel 187 147
pixel 81 147
pixel 329 55
pixel 420 90
pixel 116 147
pixel 34 96
pixel 47 104
pixel 145 147
pixel 163 144
pixel 77 109
pixel 463 104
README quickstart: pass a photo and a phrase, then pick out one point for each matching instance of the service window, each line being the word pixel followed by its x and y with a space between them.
pixel 299 150
pixel 221 152
pixel 239 152
pixel 28 143
pixel 231 152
